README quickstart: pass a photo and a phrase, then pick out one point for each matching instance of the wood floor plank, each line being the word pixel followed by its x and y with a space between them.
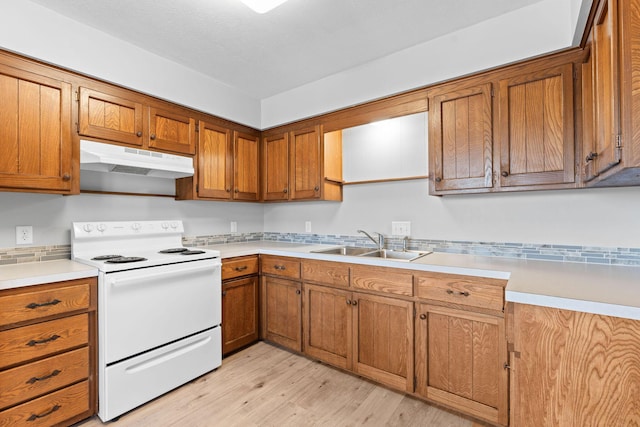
pixel 267 386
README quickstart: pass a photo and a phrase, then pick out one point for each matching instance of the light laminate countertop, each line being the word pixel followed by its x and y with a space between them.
pixel 36 273
pixel 591 288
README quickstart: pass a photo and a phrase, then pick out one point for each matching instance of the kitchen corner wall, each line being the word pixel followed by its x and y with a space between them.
pixel 51 215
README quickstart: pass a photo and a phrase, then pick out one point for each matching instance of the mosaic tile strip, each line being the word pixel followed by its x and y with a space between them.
pixel 34 254
pixel 547 252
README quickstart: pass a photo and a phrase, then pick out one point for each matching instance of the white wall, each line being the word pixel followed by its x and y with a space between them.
pixel 507 38
pixel 589 217
pixel 51 215
pixel 36 31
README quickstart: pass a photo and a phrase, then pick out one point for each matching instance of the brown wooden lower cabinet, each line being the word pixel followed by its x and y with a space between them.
pixel 573 369
pixel 282 312
pixel 460 358
pixel 239 313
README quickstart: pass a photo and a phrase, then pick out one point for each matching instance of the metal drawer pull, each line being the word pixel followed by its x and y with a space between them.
pixel 280 267
pixel 348 302
pixel 44 341
pixel 46 377
pixel 242 268
pixel 464 294
pixel 34 417
pixel 423 316
pixel 449 291
pixel 43 304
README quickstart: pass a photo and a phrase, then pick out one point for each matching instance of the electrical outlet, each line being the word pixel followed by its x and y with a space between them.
pixel 24 234
pixel 234 226
pixel 401 228
pixel 307 226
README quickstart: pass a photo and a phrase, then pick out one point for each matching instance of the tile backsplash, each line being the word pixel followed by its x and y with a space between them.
pixel 547 252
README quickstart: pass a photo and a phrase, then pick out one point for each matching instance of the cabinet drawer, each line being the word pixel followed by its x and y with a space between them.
pixel 34 379
pixel 39 340
pixel 331 273
pixel 51 409
pixel 285 267
pixel 473 291
pixel 389 280
pixel 236 267
pixel 35 304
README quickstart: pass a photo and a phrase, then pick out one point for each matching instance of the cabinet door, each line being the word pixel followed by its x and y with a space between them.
pixel 460 139
pixel 245 166
pixel 239 313
pixel 535 124
pixel 110 117
pixel 383 340
pixel 171 131
pixel 306 166
pixel 276 167
pixel 327 325
pixel 282 311
pixel 214 161
pixel 35 132
pixel 460 359
pixel 602 88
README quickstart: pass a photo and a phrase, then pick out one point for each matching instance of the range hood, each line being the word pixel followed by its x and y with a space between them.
pixel 99 157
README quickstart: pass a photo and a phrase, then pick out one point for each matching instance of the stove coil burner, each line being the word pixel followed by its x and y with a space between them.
pixel 125 259
pixel 192 252
pixel 173 251
pixel 105 257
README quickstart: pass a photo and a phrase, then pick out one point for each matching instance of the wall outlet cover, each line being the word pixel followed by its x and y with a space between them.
pixel 24 234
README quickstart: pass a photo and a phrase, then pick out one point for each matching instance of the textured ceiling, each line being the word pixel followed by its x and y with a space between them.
pixel 296 43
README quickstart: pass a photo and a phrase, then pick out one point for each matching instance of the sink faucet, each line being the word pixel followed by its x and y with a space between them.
pixel 379 242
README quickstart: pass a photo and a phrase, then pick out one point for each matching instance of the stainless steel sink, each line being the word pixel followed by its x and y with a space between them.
pixel 344 250
pixel 407 256
pixel 397 255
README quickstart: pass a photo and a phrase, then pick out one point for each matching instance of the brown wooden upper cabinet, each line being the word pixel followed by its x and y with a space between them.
pixel 535 127
pixel 460 138
pixel 227 166
pixel 122 116
pixel 302 164
pixel 35 132
pixel 504 130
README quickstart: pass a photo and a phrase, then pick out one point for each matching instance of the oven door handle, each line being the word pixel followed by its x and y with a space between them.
pixel 124 281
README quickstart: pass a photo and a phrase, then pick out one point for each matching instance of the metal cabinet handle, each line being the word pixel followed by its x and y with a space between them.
pixel 348 302
pixel 46 377
pixel 241 268
pixel 34 305
pixel 438 179
pixel 464 294
pixel 297 291
pixel 423 316
pixel 316 188
pixel 354 302
pixel 592 155
pixel 449 291
pixel 505 174
pixel 139 134
pixel 280 267
pixel 285 191
pixel 152 136
pixel 44 341
pixel 224 293
pixel 34 417
pixel 228 190
pixel 66 177
pixel 236 190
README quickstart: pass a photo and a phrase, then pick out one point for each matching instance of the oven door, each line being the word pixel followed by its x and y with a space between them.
pixel 145 308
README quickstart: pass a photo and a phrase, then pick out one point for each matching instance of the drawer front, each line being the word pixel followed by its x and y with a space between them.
pixel 39 340
pixel 380 279
pixel 285 267
pixel 41 303
pixel 51 409
pixel 472 291
pixel 237 267
pixel 331 273
pixel 35 379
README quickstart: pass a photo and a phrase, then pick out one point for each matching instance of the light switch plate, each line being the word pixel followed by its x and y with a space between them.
pixel 307 226
pixel 401 228
pixel 234 227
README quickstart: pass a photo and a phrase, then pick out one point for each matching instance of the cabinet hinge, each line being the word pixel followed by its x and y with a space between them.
pixel 77 127
pixel 415 313
pixel 197 128
pixel 77 96
pixel 415 382
pixel 575 74
pixel 618 141
pixel 493 93
pixel 197 188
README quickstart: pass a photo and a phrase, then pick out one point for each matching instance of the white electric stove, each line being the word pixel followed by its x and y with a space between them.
pixel 159 309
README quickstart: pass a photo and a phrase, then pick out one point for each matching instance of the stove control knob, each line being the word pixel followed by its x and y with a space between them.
pixel 164 225
pixel 136 226
pixel 88 228
pixel 101 228
pixel 174 225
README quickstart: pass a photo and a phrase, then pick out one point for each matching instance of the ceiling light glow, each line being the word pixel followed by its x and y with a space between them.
pixel 263 6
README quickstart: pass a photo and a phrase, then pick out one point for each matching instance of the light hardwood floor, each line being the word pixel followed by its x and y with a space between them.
pixel 267 386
